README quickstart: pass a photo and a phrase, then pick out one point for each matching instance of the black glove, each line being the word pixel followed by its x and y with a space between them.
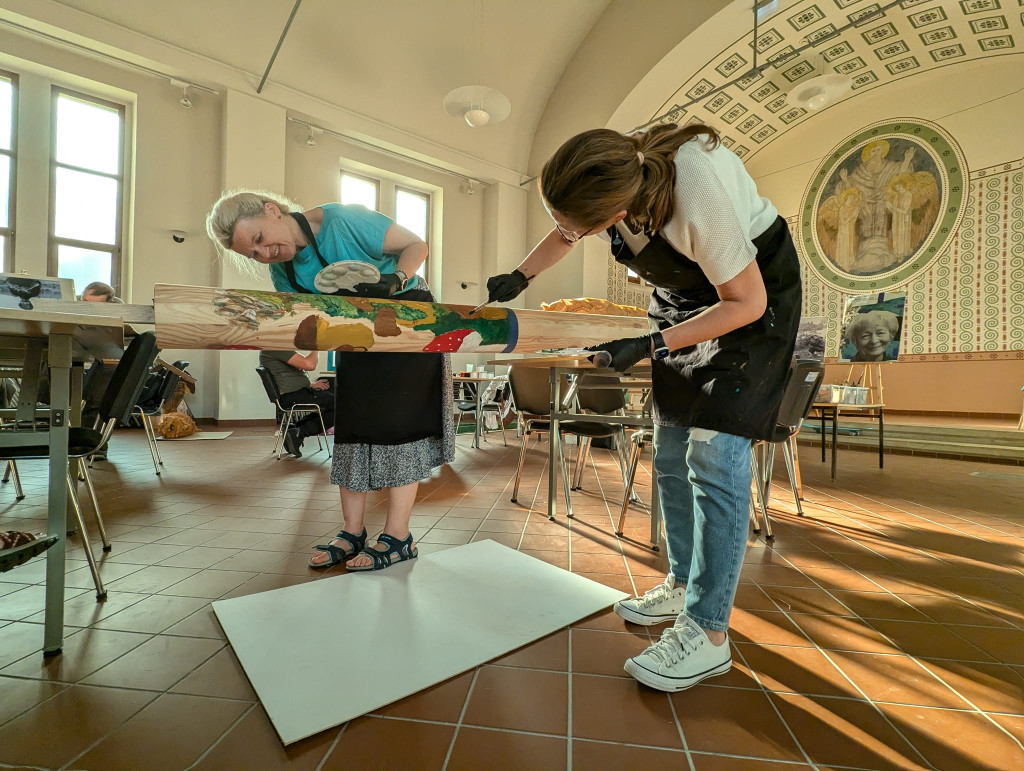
pixel 621 354
pixel 507 286
pixel 389 284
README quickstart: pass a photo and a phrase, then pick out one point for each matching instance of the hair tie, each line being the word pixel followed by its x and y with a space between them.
pixel 640 157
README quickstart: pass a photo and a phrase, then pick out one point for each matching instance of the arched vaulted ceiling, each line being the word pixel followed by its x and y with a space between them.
pixel 875 43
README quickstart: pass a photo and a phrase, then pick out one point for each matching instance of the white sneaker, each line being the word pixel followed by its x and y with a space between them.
pixel 681 658
pixel 662 603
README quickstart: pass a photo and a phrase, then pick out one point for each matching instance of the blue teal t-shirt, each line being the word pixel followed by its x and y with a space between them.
pixel 348 232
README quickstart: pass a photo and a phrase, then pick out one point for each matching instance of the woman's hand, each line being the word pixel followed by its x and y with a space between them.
pixel 387 286
pixel 622 354
pixel 506 287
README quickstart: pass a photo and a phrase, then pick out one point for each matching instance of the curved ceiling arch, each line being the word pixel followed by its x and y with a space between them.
pixel 874 43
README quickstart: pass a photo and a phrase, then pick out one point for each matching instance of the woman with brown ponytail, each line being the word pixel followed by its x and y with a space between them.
pixel 682 212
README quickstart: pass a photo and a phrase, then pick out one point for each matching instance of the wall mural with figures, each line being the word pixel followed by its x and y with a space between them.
pixel 968 302
pixel 882 206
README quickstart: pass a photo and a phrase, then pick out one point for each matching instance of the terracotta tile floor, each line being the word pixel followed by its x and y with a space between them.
pixel 884 630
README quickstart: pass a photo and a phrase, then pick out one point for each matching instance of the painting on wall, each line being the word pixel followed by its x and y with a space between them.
pixel 872 327
pixel 810 338
pixel 883 205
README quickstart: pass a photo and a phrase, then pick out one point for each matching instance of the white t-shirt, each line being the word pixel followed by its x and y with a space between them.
pixel 718 212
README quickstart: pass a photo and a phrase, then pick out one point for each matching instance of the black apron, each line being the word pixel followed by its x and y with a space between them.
pixel 381 398
pixel 734 383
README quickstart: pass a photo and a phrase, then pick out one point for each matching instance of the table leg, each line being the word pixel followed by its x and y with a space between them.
pixel 476 415
pixel 822 434
pixel 60 369
pixel 553 454
pixel 835 440
pixel 881 439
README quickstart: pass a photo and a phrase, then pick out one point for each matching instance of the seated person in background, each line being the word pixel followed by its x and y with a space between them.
pixel 289 370
pixel 98 292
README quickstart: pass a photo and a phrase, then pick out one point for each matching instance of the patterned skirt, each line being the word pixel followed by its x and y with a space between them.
pixel 364 467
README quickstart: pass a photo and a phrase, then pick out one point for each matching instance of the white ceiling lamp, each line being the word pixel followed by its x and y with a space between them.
pixel 819 91
pixel 477 105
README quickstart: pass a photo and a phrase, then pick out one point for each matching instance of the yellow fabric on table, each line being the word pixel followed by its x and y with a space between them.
pixel 594 305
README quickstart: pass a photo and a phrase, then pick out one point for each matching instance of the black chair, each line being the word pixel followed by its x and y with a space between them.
pixel 497 402
pixel 153 407
pixel 802 384
pixel 285 416
pixel 531 393
pixel 116 407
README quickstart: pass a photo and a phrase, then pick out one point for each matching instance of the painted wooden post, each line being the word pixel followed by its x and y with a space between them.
pixel 209 318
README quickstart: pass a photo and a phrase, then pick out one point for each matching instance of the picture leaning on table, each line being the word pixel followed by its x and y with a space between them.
pixel 393 412
pixel 680 210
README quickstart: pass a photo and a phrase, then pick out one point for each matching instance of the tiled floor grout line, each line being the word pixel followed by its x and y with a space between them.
pixel 334 745
pixel 568 719
pixel 778 712
pixel 462 715
pixel 867 699
pixel 915 659
pixel 830 659
pixel 220 738
pixel 679 728
pixel 940 511
pixel 611 521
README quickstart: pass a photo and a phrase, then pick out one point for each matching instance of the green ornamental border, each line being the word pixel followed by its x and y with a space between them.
pixel 948 157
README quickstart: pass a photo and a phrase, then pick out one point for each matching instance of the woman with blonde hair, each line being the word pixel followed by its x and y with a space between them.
pixel 393 411
pixel 682 212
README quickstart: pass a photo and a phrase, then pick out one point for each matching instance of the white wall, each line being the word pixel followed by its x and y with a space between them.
pixel 175 167
pixel 181 161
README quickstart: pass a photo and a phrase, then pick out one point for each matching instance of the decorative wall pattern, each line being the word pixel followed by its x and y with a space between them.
pixel 970 302
pixel 910 39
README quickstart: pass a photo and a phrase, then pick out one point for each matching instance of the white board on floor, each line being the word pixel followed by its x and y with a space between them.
pixel 327 651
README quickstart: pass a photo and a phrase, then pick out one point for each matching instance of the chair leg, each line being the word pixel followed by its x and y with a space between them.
pixel 791 443
pixel 95 506
pixel 501 422
pixel 7 472
pixel 581 460
pixel 12 472
pixel 330 453
pixel 758 476
pixel 566 487
pixel 519 471
pixel 769 464
pixel 623 459
pixel 149 440
pixel 634 461
pixel 101 593
pixel 788 455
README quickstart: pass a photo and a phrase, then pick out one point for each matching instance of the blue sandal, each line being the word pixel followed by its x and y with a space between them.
pixel 336 553
pixel 397 551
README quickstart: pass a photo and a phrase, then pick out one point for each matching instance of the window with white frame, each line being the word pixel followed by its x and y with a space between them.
pixel 408 207
pixel 86 189
pixel 361 190
pixel 8 131
pixel 412 212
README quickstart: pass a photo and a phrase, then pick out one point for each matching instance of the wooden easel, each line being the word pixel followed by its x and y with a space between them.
pixel 871 378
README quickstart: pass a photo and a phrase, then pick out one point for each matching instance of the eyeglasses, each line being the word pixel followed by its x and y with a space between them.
pixel 569 236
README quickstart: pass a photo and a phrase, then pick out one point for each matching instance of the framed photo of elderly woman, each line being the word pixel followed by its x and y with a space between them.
pixel 872 327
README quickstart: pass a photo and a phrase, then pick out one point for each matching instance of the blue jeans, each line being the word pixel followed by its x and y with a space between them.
pixel 704 483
